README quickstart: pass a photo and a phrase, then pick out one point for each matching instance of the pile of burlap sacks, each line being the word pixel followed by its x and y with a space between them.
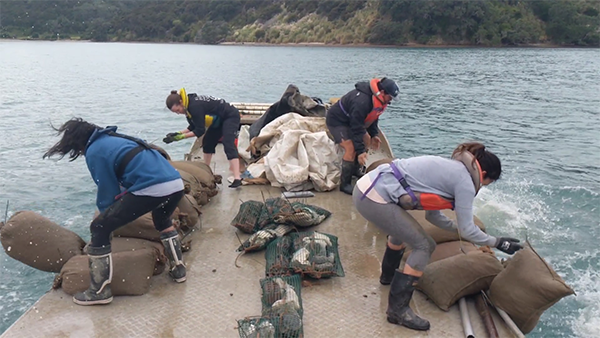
pixel 138 253
pixel 524 286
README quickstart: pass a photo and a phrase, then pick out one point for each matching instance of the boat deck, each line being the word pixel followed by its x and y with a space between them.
pixel 217 293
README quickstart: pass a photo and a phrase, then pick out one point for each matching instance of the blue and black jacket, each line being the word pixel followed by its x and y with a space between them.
pixel 103 155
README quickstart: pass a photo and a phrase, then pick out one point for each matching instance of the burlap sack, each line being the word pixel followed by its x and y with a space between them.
pixel 194 187
pixel 123 244
pixel 526 288
pixel 201 165
pixel 190 182
pixel 445 250
pixel 448 280
pixel 199 170
pixel 440 235
pixel 189 212
pixel 131 273
pixel 450 249
pixel 161 151
pixel 143 227
pixel 38 242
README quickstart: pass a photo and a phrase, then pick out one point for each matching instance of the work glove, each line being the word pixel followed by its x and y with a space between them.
pixel 508 245
pixel 173 137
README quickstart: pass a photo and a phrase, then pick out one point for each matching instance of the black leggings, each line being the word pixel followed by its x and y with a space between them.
pixel 129 208
pixel 229 131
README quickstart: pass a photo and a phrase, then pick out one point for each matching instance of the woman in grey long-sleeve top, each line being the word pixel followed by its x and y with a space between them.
pixel 432 183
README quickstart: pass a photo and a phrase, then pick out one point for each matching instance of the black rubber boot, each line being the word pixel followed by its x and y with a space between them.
pixel 100 277
pixel 172 244
pixel 359 170
pixel 399 311
pixel 346 177
pixel 389 264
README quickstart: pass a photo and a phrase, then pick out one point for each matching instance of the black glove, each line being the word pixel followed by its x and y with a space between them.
pixel 508 245
pixel 170 138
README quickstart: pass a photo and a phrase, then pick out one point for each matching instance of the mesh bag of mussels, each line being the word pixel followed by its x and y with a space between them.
pixel 302 215
pixel 254 216
pixel 278 257
pixel 315 254
pixel 268 327
pixel 260 239
pixel 281 310
pixel 248 216
pixel 281 300
pixel 255 327
pixel 272 207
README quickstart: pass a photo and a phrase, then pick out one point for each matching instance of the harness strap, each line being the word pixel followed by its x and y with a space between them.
pixel 370 187
pixel 342 107
pixel 130 154
pixel 403 183
pixel 126 159
pixel 400 179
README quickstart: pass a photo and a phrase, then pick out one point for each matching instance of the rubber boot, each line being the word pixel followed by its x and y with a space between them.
pixel 172 245
pixel 389 264
pixel 346 177
pixel 100 277
pixel 359 170
pixel 399 311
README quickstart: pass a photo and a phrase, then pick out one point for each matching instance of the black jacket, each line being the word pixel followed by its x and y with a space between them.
pixel 202 105
pixel 358 103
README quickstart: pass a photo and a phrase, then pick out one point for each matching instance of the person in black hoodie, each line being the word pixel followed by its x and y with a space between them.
pixel 212 117
pixel 352 121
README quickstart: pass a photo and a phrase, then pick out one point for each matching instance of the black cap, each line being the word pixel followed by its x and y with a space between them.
pixel 389 86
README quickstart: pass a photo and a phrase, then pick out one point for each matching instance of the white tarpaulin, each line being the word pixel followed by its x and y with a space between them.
pixel 299 154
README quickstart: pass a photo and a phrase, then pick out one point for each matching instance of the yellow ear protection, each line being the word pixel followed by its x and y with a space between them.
pixel 185 100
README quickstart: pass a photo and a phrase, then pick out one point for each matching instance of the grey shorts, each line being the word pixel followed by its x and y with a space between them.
pixel 401 227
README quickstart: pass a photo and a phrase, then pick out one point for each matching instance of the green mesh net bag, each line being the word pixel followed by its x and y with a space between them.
pixel 272 207
pixel 248 216
pixel 278 257
pixel 281 310
pixel 281 294
pixel 316 255
pixel 254 327
pixel 301 215
pixel 270 327
pixel 317 209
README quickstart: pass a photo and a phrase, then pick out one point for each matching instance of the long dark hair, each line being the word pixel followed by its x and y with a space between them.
pixel 76 133
pixel 489 162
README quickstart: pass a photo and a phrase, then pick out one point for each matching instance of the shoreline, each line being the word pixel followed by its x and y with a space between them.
pixel 408 45
pixel 544 45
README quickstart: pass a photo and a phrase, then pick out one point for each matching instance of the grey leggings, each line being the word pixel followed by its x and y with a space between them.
pixel 401 227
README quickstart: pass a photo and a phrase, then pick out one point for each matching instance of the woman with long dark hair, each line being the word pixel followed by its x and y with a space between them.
pixel 133 179
pixel 431 183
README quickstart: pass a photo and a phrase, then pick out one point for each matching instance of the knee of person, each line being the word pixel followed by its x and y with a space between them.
pixel 232 155
pixel 347 145
pixel 96 225
pixel 431 244
pixel 427 245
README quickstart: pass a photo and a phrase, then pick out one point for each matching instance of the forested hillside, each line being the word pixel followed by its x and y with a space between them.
pixel 387 22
